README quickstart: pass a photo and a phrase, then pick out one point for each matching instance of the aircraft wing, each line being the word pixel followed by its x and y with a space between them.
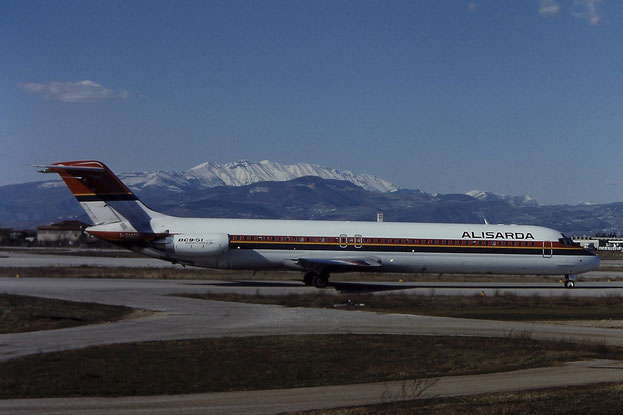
pixel 338 264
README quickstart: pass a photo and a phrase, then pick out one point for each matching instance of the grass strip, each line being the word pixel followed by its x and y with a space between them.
pixel 586 400
pixel 20 313
pixel 244 363
pixel 503 306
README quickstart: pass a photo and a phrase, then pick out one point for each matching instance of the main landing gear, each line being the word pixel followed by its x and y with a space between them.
pixel 569 281
pixel 320 280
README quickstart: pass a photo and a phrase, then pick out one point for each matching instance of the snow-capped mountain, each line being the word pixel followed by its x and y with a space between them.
pixel 174 181
pixel 524 200
pixel 245 172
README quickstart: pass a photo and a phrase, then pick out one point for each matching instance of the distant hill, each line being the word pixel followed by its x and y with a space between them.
pixel 270 190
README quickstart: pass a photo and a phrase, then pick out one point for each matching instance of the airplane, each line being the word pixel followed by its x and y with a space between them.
pixel 317 248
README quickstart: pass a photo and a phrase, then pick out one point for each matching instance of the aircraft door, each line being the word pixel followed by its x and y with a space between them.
pixel 358 241
pixel 548 251
pixel 343 241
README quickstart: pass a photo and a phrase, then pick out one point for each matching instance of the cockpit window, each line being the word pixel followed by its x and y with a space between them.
pixel 566 240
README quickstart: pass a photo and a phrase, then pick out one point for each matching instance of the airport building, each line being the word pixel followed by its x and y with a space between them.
pixel 600 243
pixel 68 232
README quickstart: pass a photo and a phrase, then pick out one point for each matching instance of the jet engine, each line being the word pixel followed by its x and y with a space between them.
pixel 194 244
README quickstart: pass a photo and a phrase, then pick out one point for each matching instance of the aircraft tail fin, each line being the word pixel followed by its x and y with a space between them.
pixel 102 195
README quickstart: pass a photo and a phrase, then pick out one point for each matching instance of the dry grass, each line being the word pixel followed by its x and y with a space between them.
pixel 193 366
pixel 497 307
pixel 590 400
pixel 22 313
pixel 610 255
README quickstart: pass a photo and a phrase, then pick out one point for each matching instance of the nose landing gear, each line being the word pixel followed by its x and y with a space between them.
pixel 569 281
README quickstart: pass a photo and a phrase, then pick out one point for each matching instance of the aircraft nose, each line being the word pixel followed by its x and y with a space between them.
pixel 588 263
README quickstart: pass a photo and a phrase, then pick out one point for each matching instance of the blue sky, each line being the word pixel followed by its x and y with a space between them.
pixel 514 97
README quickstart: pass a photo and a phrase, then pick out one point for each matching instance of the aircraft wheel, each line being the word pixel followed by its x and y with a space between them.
pixel 308 279
pixel 569 284
pixel 321 281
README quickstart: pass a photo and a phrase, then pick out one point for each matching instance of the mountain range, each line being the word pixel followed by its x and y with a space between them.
pixel 243 173
pixel 267 189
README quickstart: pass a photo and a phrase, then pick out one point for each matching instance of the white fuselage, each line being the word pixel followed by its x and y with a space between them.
pixel 395 247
